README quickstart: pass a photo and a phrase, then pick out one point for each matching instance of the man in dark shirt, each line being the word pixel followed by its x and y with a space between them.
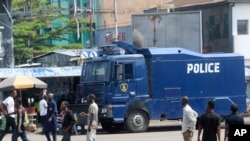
pixel 210 124
pixel 233 119
pixel 50 122
pixel 67 122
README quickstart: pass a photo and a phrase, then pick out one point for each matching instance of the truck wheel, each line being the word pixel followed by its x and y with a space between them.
pixel 112 127
pixel 137 121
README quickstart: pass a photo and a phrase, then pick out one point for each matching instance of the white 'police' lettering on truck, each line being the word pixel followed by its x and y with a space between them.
pixel 203 67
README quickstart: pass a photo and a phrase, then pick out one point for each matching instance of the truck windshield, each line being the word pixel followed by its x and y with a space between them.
pixel 96 71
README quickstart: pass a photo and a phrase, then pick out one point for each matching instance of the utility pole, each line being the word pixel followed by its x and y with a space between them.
pixel 90 14
pixel 2 53
pixel 115 18
pixel 6 24
pixel 91 5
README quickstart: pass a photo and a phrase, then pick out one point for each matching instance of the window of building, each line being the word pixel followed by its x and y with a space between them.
pixel 242 27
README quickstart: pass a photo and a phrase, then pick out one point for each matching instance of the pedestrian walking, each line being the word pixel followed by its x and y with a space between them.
pixel 188 120
pixel 50 121
pixel 92 118
pixel 20 130
pixel 43 109
pixel 68 120
pixel 8 106
pixel 210 124
pixel 232 119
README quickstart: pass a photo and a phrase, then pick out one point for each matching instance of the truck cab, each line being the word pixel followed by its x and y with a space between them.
pixel 116 81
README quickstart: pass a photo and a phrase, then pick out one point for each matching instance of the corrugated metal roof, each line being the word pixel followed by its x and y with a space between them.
pixel 28 65
pixel 186 3
pixel 68 52
pixel 189 3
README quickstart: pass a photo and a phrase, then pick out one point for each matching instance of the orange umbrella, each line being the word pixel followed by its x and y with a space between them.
pixel 21 82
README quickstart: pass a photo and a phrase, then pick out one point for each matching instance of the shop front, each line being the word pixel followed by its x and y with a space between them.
pixel 61 81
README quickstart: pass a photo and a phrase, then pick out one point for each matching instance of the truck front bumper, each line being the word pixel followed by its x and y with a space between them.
pixel 114 113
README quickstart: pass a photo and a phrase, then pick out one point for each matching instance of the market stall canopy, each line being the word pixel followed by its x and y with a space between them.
pixel 21 82
pixel 42 72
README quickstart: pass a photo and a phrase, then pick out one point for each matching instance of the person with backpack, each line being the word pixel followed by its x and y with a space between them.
pixel 20 129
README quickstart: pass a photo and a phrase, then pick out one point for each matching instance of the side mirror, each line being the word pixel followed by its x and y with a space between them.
pixel 119 72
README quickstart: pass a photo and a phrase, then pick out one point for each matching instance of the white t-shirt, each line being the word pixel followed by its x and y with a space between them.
pixel 9 102
pixel 189 118
pixel 93 109
pixel 43 107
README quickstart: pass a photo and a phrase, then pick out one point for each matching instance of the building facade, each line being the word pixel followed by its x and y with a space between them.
pixel 124 11
pixel 225 22
pixel 101 13
pixel 225 25
pixel 240 30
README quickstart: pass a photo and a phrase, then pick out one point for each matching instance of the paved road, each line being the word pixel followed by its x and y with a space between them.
pixel 173 135
pixel 158 131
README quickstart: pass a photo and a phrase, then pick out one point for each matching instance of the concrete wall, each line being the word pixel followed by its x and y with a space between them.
pixel 241 42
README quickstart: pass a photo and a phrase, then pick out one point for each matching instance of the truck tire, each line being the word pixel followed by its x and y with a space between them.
pixel 112 127
pixel 137 121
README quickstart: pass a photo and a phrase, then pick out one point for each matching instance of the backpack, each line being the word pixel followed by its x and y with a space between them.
pixel 26 119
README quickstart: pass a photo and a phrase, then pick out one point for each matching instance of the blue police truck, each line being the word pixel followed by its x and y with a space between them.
pixel 136 85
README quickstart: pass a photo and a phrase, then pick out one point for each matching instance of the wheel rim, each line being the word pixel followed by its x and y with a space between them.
pixel 138 120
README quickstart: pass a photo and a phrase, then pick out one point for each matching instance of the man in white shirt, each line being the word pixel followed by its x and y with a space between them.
pixel 8 106
pixel 189 120
pixel 43 108
pixel 92 118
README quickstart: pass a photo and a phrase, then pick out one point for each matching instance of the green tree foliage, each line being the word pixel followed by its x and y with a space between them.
pixel 33 32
